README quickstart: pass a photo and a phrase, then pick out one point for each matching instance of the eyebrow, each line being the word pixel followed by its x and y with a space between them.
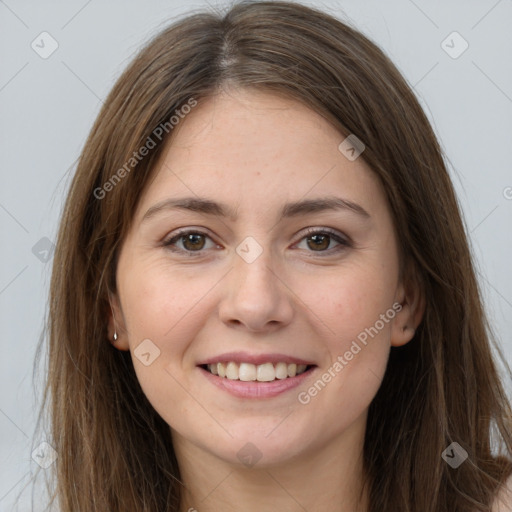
pixel 295 209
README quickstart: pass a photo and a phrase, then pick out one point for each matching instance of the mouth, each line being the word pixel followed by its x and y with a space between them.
pixel 248 372
pixel 256 381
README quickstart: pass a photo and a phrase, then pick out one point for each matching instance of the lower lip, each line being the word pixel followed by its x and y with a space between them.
pixel 255 389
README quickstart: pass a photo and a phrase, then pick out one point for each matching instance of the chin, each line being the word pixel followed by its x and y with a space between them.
pixel 263 448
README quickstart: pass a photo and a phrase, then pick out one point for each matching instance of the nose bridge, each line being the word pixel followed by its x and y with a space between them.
pixel 256 272
pixel 255 295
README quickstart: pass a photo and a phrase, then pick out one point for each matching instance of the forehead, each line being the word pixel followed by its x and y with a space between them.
pixel 259 149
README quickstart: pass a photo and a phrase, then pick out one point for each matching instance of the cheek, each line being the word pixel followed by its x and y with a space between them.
pixel 358 311
pixel 162 307
pixel 358 351
pixel 161 304
pixel 353 301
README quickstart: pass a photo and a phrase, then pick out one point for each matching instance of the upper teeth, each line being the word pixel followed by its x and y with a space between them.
pixel 261 372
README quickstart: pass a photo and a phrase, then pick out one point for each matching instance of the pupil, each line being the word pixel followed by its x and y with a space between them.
pixel 193 239
pixel 323 238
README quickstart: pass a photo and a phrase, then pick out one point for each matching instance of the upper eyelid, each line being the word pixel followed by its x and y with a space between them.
pixel 185 231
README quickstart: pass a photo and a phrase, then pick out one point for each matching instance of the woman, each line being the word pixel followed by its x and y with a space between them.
pixel 262 294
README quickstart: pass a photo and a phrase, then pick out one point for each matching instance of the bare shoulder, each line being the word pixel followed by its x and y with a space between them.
pixel 503 502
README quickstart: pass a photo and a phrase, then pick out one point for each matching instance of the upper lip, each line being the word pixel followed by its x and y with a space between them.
pixel 245 357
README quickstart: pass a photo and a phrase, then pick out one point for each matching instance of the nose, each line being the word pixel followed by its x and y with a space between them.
pixel 255 296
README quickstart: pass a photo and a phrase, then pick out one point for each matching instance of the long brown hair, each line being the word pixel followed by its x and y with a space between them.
pixel 114 450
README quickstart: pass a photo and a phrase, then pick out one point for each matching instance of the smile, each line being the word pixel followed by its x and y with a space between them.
pixel 265 380
pixel 247 372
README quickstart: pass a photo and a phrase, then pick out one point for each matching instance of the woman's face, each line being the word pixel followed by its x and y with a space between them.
pixel 262 246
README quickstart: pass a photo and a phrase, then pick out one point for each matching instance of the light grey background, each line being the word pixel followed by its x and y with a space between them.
pixel 47 107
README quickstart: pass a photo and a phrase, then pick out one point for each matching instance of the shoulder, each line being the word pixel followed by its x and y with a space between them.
pixel 503 502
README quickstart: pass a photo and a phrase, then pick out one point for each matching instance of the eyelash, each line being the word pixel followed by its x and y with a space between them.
pixel 344 243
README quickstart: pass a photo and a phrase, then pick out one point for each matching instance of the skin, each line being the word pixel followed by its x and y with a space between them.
pixel 255 152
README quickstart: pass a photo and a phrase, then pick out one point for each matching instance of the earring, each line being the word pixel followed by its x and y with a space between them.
pixel 114 318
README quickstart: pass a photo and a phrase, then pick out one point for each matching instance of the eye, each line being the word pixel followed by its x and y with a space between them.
pixel 319 240
pixel 192 240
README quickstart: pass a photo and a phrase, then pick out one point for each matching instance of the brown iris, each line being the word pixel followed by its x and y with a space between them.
pixel 321 241
pixel 194 240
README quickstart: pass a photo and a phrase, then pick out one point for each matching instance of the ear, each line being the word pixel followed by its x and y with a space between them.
pixel 116 324
pixel 411 297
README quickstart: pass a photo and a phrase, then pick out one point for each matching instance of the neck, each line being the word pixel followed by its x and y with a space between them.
pixel 328 478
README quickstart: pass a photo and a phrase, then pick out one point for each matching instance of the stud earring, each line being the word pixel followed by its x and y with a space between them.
pixel 114 318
